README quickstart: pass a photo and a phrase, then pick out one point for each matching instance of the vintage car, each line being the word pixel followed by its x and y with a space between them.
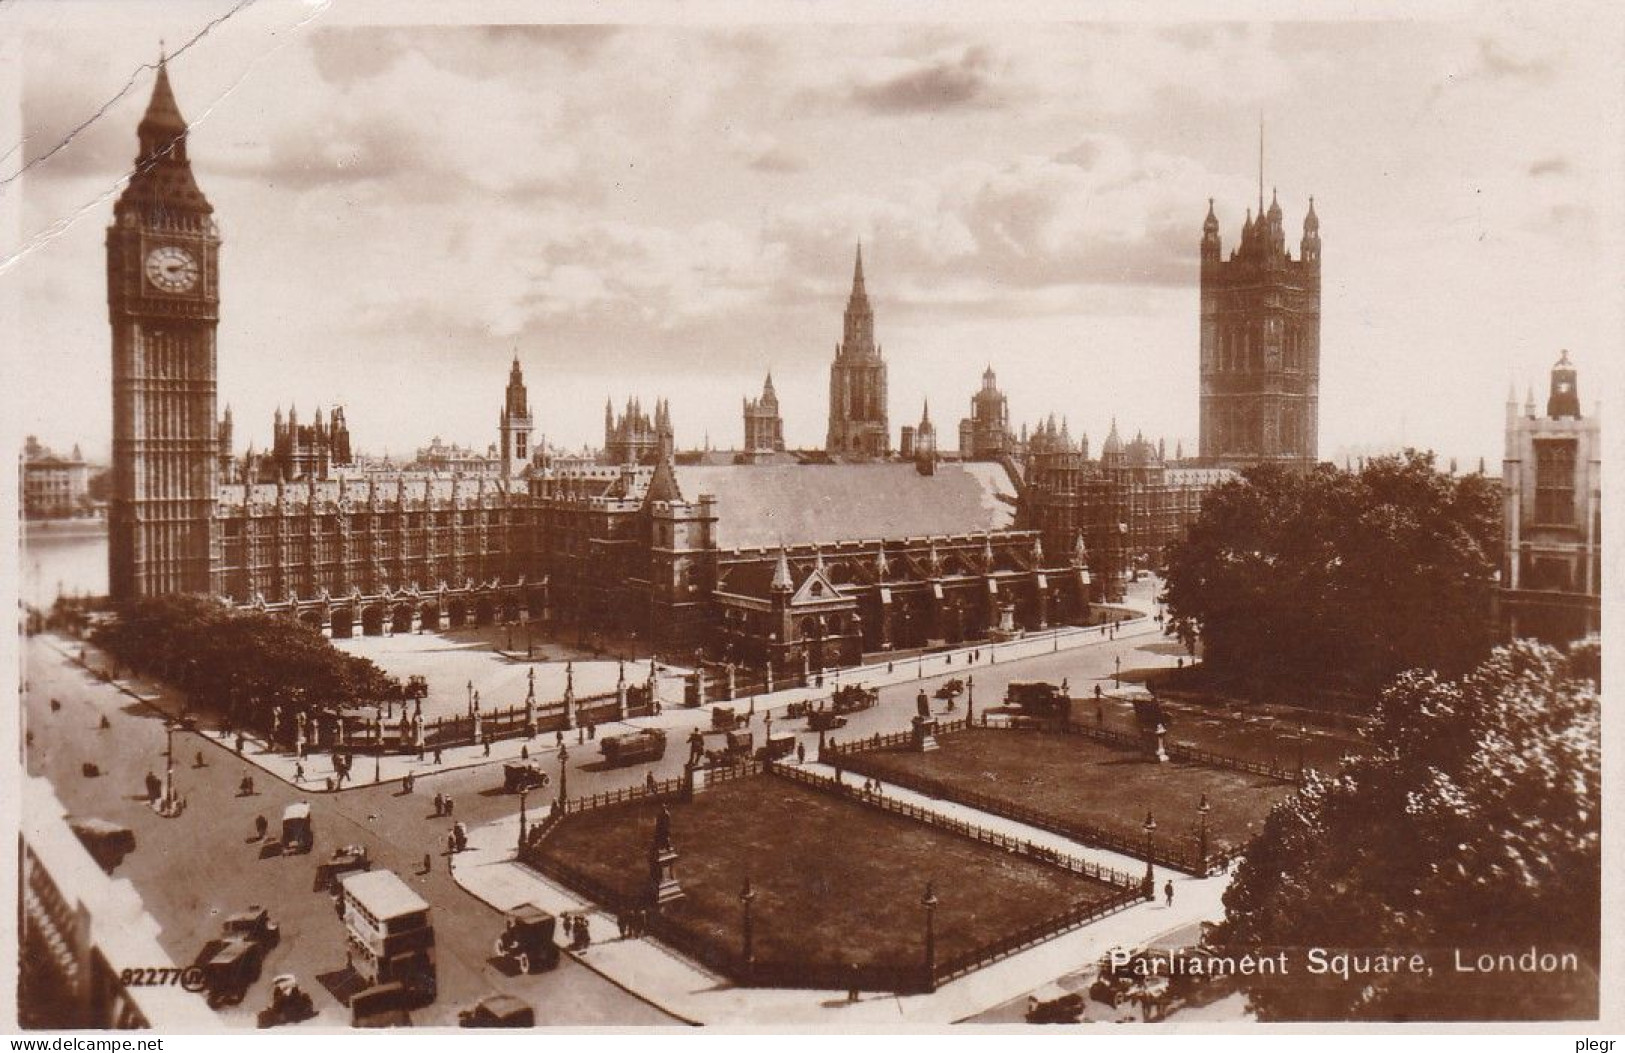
pixel 825 720
pixel 521 778
pixel 290 1003
pixel 1054 1004
pixel 635 747
pixel 498 1011
pixel 346 859
pixel 723 718
pixel 527 941
pixel 232 963
pixel 297 835
pixel 383 1005
pixel 951 690
pixel 1036 698
pixel 853 697
pixel 777 747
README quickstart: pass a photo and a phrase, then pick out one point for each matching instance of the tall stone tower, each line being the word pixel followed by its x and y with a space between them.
pixel 515 423
pixel 857 382
pixel 764 428
pixel 163 299
pixel 1260 340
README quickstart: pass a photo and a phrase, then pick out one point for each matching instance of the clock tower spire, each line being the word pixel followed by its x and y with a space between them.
pixel 163 304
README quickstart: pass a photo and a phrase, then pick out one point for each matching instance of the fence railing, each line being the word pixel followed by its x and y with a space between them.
pixel 1181 751
pixel 708 952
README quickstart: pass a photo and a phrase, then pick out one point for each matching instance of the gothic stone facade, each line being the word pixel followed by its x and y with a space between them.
pixel 1551 574
pixel 1260 344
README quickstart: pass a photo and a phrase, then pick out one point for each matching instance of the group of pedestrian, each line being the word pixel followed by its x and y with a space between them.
pixel 575 926
pixel 872 788
pixel 442 805
pixel 632 924
pixel 246 787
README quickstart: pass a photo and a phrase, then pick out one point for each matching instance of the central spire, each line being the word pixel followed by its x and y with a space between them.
pixel 857 274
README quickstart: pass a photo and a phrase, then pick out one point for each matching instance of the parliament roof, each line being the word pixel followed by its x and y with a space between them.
pixel 763 506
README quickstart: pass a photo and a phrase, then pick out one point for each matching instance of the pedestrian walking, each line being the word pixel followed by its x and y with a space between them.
pixel 106 724
pixel 154 787
pixel 437 754
pixel 260 826
pixel 298 773
pixel 451 843
pixel 801 753
pixel 427 861
pixel 620 925
pixel 448 804
pixel 487 745
pixel 558 739
pixel 592 732
pixel 524 752
pixel 1168 892
pixel 439 805
pixel 852 982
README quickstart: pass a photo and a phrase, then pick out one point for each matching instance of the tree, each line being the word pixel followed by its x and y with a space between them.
pixel 1330 578
pixel 1473 824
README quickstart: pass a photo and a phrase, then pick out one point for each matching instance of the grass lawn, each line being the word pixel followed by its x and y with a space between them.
pixel 836 882
pixel 1073 778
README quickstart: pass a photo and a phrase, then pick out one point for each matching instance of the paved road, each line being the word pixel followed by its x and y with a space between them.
pixel 193 870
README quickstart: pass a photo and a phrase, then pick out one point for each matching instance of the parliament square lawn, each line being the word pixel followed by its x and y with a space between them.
pixel 1076 779
pixel 837 882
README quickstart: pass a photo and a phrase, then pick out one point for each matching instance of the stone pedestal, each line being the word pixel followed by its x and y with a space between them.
pixel 663 886
pixel 1162 749
pixel 925 734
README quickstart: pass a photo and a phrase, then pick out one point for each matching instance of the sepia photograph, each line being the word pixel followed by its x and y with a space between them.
pixel 963 519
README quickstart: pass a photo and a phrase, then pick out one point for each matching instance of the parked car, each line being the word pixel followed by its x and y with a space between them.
pixel 498 1011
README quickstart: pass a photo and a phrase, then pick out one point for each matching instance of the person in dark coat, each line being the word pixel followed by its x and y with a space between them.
pixel 1168 892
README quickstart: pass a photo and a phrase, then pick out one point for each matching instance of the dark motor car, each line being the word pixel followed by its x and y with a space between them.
pixel 527 941
pixel 498 1011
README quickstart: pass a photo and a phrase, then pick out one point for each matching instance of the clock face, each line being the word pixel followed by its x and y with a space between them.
pixel 172 269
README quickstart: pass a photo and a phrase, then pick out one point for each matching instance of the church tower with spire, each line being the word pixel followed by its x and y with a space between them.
pixel 1260 341
pixel 764 427
pixel 163 301
pixel 857 382
pixel 515 423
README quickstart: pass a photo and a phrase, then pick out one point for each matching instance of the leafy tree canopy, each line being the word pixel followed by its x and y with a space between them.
pixel 240 662
pixel 1331 578
pixel 1474 824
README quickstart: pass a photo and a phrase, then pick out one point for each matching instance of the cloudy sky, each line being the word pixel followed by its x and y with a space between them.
pixel 650 210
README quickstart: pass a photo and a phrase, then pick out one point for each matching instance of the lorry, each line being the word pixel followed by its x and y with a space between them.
pixel 230 963
pixel 634 747
pixel 297 835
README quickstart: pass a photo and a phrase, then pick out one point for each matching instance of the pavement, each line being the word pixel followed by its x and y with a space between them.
pixel 489 871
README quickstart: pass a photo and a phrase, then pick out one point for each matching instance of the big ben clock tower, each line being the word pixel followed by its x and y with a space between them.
pixel 163 299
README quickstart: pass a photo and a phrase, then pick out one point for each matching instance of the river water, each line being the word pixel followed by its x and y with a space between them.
pixel 62 559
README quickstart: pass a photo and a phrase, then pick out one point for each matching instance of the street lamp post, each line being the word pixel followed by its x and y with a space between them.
pixel 1117 674
pixel 929 902
pixel 746 896
pixel 169 762
pixel 1150 873
pixel 564 774
pixel 524 792
pixel 970 700
pixel 1202 808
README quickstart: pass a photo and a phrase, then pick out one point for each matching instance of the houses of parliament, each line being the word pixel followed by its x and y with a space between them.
pixel 788 558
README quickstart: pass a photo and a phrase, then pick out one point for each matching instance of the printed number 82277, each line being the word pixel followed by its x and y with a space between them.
pixel 165 976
